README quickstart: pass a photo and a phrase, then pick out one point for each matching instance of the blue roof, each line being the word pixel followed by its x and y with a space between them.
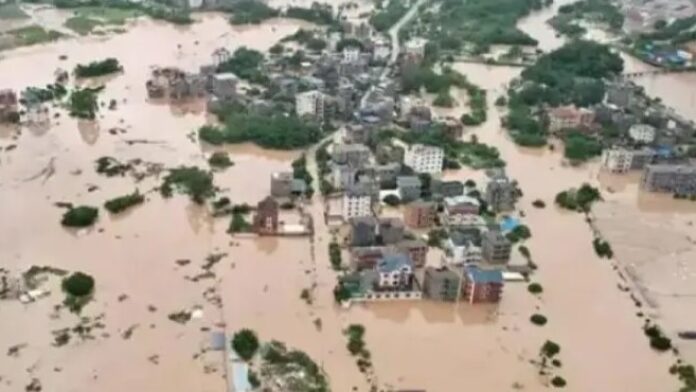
pixel 241 377
pixel 508 223
pixel 478 275
pixel 393 263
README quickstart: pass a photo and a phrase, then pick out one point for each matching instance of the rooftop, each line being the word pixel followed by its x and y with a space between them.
pixel 478 275
pixel 408 181
pixel 466 236
pixel 462 199
pixel 393 262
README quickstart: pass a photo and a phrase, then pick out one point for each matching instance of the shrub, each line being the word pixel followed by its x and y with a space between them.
pixel 602 248
pixel 550 349
pixel 392 200
pixel 78 284
pixel 519 233
pixel 122 203
pixel 220 160
pixel 81 216
pixel 538 319
pixel 535 288
pixel 558 382
pixel 335 255
pixel 98 68
pixel 193 181
pixel 245 343
pixel 538 203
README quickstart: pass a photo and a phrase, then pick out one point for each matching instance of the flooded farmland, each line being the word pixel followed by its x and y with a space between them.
pixel 136 258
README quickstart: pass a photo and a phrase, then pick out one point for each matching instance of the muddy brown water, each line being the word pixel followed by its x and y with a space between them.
pixel 413 345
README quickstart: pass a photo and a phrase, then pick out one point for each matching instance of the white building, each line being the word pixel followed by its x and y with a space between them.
pixel 357 202
pixel 395 271
pixel 424 159
pixel 643 133
pixel 351 54
pixel 416 47
pixel 310 104
pixel 617 160
pixel 381 50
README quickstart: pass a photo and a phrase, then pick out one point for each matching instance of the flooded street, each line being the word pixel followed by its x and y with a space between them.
pixel 136 258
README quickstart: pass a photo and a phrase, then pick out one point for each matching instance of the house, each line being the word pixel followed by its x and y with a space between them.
pixel 461 205
pixel 266 217
pixel 357 201
pixel 622 160
pixel 419 215
pixel 395 272
pixel 366 257
pixel 495 247
pixel 385 174
pixel 620 95
pixel 451 127
pixel 344 176
pixel 351 54
pixel 424 159
pixel 9 109
pixel 441 284
pixel 482 286
pixel 363 231
pixel 415 48
pixel 390 230
pixel 501 194
pixel 355 155
pixel 464 246
pixel 566 117
pixel 358 133
pixel 642 133
pixel 310 104
pixel 416 250
pixel 224 86
pixel 409 188
pixel 419 118
pixel 281 184
pixel 440 189
pixel 676 179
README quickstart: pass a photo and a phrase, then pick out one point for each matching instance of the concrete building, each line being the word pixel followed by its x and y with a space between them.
pixel 415 48
pixel 464 246
pixel 620 95
pixel 622 160
pixel 381 51
pixel 441 189
pixel 390 230
pixel 351 54
pixel 385 174
pixel 416 250
pixel 224 86
pixel 461 205
pixel 642 133
pixel 482 286
pixel 495 248
pixel 357 201
pixel 424 159
pixel 419 119
pixel 409 188
pixel 441 284
pixel 281 184
pixel 355 155
pixel 676 179
pixel 9 109
pixel 266 217
pixel 363 231
pixel 344 176
pixel 310 104
pixel 366 257
pixel 395 272
pixel 419 215
pixel 501 194
pixel 566 117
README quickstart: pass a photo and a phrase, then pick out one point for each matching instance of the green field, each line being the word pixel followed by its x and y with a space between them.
pixel 12 11
pixel 86 19
pixel 32 35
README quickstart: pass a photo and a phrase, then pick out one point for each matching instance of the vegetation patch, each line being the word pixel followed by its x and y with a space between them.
pixel 220 160
pixel 658 340
pixel 82 25
pixel 33 35
pixel 538 319
pixel 335 255
pixel 535 288
pixel 602 248
pixel 83 103
pixel 356 346
pixel 385 18
pixel 580 147
pixel 519 233
pixel 246 64
pixel 580 199
pixel 12 11
pixel 239 224
pixel 98 68
pixel 82 216
pixel 122 203
pixel 78 288
pixel 321 14
pixel 245 343
pixel 111 167
pixel 250 12
pixel 294 369
pixel 196 183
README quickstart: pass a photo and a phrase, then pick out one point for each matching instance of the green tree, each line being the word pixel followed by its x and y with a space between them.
pixel 245 343
pixel 81 216
pixel 78 284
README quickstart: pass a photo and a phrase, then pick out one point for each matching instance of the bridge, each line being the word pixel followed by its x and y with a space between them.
pixel 633 75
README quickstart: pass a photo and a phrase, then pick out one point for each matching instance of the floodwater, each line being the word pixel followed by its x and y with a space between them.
pixel 413 345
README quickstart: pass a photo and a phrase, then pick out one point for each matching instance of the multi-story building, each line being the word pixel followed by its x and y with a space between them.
pixel 415 48
pixel 8 105
pixel 356 155
pixel 366 257
pixel 419 215
pixel 310 104
pixel 351 54
pixel 224 86
pixel 424 159
pixel 266 217
pixel 441 284
pixel 390 230
pixel 622 160
pixel 642 133
pixel 344 176
pixel 395 272
pixel 495 248
pixel 501 194
pixel 357 201
pixel 441 189
pixel 461 205
pixel 566 117
pixel 281 184
pixel 416 250
pixel 464 246
pixel 363 231
pixel 676 179
pixel 482 286
pixel 409 188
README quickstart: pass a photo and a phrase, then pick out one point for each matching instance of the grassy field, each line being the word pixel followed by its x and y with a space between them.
pixel 32 35
pixel 12 11
pixel 86 19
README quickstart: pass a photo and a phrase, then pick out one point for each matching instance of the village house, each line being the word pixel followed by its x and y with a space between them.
pixel 642 133
pixel 414 49
pixel 569 117
pixel 482 286
pixel 461 205
pixel 366 257
pixel 363 231
pixel 390 230
pixel 419 214
pixel 344 176
pixel 385 174
pixel 419 118
pixel 357 201
pixel 395 272
pixel 311 105
pixel 501 194
pixel 283 185
pixel 266 217
pixel 495 248
pixel 224 86
pixel 441 284
pixel 451 127
pixel 676 179
pixel 417 251
pixel 424 159
pixel 622 160
pixel 441 189
pixel 464 246
pixel 409 188
pixel 355 155
pixel 9 109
